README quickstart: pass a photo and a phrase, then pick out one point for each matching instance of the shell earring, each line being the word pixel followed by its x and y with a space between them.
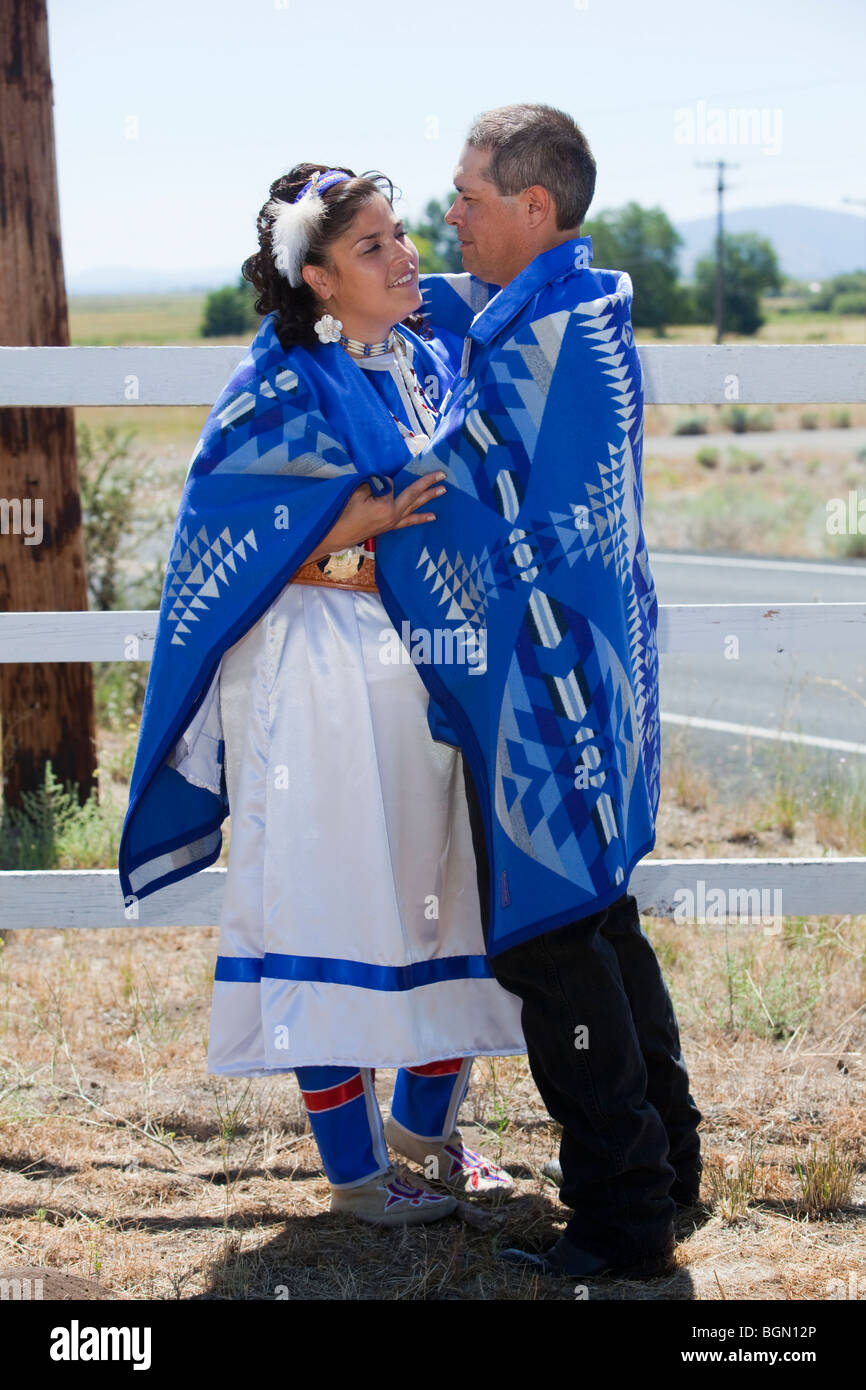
pixel 328 329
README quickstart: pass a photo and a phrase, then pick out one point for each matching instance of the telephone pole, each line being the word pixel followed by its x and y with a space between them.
pixel 720 165
pixel 46 708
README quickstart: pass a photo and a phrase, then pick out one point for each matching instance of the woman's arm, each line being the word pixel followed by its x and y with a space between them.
pixel 365 515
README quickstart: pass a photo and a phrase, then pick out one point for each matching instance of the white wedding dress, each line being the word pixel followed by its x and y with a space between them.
pixel 350 932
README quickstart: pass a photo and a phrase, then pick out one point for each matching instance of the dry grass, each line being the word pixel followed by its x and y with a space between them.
pixel 123 1161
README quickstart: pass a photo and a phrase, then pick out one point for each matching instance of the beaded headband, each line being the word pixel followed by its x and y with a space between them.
pixel 295 223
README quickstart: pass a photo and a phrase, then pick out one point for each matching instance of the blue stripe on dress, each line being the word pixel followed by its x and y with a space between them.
pixel 246 970
pixel 326 971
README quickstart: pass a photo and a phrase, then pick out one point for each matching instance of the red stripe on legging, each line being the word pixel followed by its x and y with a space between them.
pixel 438 1068
pixel 334 1095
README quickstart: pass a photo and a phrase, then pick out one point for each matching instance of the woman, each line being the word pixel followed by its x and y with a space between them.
pixel 350 935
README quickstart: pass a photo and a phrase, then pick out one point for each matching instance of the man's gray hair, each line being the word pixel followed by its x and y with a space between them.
pixel 534 144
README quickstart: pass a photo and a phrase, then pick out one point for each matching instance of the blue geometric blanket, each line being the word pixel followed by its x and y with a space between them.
pixel 528 605
pixel 288 440
pixel 538 561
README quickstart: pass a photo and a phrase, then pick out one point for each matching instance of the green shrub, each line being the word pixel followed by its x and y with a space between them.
pixel 849 302
pixel 115 523
pixel 52 831
pixel 118 692
pixel 116 526
pixel 853 283
pixel 708 457
pixel 230 311
pixel 735 418
pixel 738 459
pixel 760 421
pixel 692 424
pixel 739 419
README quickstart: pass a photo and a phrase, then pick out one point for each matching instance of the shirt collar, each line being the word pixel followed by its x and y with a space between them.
pixel 548 265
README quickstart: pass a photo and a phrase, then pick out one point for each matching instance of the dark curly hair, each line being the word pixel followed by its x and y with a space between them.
pixel 296 310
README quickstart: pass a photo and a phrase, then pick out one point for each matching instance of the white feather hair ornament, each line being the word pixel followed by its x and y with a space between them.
pixel 292 229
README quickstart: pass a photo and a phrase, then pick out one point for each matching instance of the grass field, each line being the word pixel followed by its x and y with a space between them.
pixel 136 319
pixel 149 319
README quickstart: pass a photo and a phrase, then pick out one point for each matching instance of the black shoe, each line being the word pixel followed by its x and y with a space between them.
pixel 564 1260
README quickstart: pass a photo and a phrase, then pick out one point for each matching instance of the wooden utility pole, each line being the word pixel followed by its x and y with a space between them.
pixel 720 165
pixel 46 711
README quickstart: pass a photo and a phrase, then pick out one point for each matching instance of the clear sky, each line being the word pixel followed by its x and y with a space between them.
pixel 173 117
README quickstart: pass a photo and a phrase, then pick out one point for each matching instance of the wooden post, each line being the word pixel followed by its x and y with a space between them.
pixel 46 710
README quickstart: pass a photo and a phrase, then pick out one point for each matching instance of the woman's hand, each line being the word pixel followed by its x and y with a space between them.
pixel 365 515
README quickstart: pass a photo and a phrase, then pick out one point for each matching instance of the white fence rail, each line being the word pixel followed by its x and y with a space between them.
pixel 773 887
pixel 696 629
pixel 756 892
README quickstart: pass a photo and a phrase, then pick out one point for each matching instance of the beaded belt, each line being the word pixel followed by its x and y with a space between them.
pixel 354 568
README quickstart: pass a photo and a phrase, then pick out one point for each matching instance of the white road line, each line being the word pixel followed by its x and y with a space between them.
pixel 723 726
pixel 744 562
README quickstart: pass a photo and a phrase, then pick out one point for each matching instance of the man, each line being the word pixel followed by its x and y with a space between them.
pixel 538 556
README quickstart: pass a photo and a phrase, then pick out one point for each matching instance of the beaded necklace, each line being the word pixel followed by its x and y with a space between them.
pixel 358 349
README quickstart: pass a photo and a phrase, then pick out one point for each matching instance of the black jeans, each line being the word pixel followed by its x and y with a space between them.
pixel 604 1050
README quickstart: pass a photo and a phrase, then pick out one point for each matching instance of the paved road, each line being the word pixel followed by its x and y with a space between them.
pixel 788 690
pixel 762 442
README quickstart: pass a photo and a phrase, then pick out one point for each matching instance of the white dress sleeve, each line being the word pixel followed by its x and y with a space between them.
pixel 198 753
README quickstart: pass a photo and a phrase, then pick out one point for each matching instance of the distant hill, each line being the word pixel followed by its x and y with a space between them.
pixel 811 243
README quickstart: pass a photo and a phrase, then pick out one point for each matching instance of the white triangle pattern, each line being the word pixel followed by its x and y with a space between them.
pixel 189 584
pixel 467 587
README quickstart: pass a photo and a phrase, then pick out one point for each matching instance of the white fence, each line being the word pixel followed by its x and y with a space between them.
pixel 753 888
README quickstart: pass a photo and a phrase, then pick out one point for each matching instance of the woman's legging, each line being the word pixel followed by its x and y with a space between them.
pixel 347 1124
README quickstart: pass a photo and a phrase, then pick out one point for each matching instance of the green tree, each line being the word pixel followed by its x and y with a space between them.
pixel 751 267
pixel 230 310
pixel 437 243
pixel 854 283
pixel 643 242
